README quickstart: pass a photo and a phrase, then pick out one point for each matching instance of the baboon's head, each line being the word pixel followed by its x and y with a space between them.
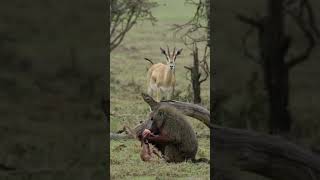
pixel 171 58
pixel 156 120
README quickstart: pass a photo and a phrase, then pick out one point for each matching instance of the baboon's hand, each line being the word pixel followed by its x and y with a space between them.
pixel 146 133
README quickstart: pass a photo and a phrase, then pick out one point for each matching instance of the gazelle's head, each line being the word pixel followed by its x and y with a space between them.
pixel 171 58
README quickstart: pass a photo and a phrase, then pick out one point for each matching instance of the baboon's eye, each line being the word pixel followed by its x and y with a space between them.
pixel 161 113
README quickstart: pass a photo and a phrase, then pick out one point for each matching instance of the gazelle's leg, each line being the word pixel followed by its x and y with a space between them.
pixel 172 94
pixel 150 91
pixel 163 94
pixel 168 94
pixel 158 94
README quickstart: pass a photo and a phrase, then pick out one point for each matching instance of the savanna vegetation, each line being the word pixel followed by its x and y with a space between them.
pixel 128 80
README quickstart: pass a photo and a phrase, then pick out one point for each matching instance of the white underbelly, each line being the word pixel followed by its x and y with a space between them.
pixel 154 87
pixel 165 89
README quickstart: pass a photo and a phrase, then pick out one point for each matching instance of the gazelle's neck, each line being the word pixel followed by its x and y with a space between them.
pixel 169 73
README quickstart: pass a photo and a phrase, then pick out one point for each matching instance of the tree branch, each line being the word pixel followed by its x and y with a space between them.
pixel 308 35
pixel 247 20
pixel 189 68
pixel 247 53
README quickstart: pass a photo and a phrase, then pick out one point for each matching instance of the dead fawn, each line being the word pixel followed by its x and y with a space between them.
pixel 161 77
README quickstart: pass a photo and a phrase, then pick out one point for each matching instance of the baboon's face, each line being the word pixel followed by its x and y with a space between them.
pixel 155 122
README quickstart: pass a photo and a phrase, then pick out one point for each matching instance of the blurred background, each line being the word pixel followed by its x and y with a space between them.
pixel 266 79
pixel 243 90
pixel 52 78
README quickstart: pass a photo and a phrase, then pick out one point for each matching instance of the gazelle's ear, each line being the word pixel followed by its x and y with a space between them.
pixel 174 50
pixel 164 52
pixel 168 51
pixel 177 53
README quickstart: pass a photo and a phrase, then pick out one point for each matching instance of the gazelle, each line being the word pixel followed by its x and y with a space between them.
pixel 161 77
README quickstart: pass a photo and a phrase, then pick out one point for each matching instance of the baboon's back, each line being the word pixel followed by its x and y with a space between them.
pixel 180 128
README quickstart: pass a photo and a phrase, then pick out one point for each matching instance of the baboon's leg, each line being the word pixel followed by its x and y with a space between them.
pixel 172 154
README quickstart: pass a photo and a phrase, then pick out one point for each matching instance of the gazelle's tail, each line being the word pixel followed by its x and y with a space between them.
pixel 148 60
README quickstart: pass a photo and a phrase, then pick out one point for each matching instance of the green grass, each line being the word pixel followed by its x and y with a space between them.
pixel 126 163
pixel 128 80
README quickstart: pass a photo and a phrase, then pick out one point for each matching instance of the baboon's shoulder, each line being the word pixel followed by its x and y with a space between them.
pixel 170 110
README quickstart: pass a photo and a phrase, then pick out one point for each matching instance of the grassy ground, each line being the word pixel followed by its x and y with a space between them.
pixel 126 163
pixel 128 80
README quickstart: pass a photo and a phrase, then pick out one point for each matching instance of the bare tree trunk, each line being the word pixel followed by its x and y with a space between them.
pixel 195 78
pixel 274 50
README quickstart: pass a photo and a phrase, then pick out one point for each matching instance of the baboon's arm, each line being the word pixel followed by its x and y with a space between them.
pixel 160 139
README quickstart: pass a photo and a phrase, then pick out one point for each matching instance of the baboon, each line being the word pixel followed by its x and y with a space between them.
pixel 171 134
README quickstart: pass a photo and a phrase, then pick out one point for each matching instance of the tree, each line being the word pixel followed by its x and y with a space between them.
pixel 196 74
pixel 274 56
pixel 195 31
pixel 124 14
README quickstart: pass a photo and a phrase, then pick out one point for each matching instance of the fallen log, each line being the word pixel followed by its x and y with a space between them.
pixel 237 150
pixel 269 156
pixel 188 109
pixel 118 136
pixel 266 155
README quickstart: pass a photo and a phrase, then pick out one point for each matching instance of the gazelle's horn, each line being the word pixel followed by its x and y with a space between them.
pixel 174 51
pixel 168 51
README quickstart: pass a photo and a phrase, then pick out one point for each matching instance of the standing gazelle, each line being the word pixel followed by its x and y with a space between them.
pixel 161 76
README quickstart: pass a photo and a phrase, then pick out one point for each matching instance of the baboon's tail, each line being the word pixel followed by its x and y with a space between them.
pixel 148 60
pixel 201 160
